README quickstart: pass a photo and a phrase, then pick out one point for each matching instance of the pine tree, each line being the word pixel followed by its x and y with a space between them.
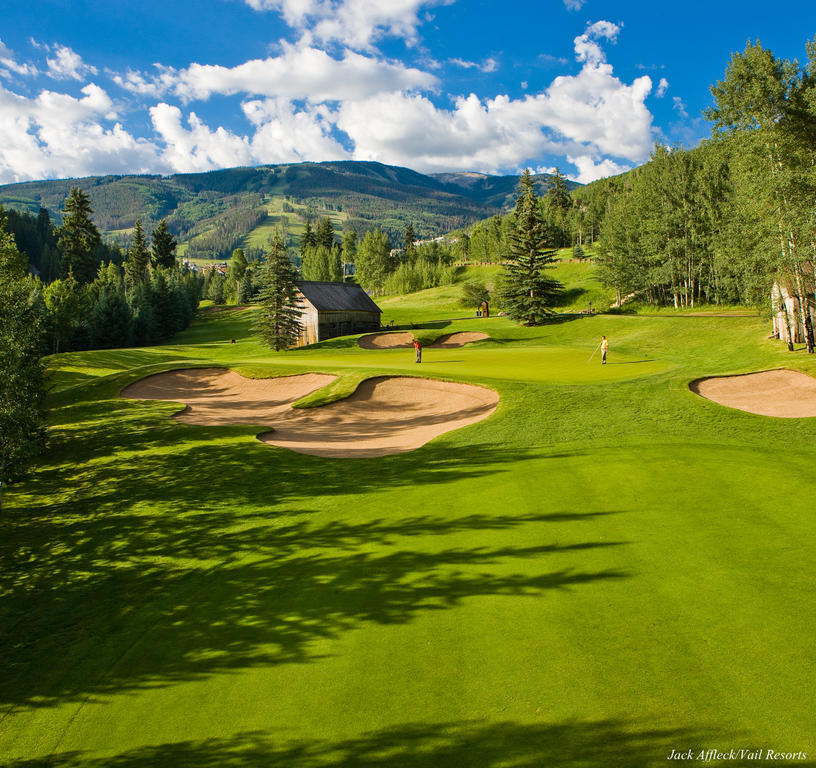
pixel 527 294
pixel 307 239
pixel 409 249
pixel 138 257
pixel 324 235
pixel 79 239
pixel 279 323
pixel 163 249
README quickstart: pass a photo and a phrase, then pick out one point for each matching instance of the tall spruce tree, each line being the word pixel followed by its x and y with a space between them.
pixel 138 257
pixel 163 248
pixel 527 293
pixel 278 324
pixel 79 239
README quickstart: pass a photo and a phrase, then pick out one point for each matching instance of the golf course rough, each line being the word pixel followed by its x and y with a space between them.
pixel 385 415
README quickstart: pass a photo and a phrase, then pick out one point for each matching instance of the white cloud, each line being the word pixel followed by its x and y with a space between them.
pixel 298 73
pixel 57 135
pixel 488 65
pixel 589 170
pixel 355 23
pixel 197 148
pixel 574 5
pixel 305 104
pixel 67 65
pixel 662 87
pixel 587 48
pixel 9 64
pixel 680 107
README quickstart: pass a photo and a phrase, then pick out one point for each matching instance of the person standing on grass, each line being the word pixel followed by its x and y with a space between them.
pixel 418 348
pixel 604 348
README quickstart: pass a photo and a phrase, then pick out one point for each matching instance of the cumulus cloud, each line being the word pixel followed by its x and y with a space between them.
pixel 298 73
pixel 58 135
pixel 305 104
pixel 67 65
pixel 587 47
pixel 356 23
pixel 589 170
pixel 662 87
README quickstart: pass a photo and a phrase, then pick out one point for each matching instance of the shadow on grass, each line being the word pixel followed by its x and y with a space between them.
pixel 118 602
pixel 461 744
pixel 175 552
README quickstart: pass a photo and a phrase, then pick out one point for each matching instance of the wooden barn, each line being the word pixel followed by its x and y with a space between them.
pixel 335 309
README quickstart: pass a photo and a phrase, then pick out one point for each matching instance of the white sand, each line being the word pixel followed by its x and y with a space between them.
pixel 384 416
pixel 783 393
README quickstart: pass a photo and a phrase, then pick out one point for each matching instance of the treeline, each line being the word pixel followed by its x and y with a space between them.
pixel 93 294
pixel 726 221
pixel 379 266
pixel 570 219
pixel 222 233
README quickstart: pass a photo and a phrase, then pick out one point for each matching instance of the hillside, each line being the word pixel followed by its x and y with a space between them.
pixel 211 213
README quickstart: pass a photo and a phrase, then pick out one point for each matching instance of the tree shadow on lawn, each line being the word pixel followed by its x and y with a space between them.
pixel 460 744
pixel 99 604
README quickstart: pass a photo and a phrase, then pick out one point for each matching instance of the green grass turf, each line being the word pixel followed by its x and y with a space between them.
pixel 606 569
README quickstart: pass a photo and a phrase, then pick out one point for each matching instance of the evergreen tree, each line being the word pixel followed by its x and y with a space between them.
pixel 335 264
pixel 138 257
pixel 163 248
pixel 22 386
pixel 237 267
pixel 308 239
pixel 13 263
pixel 527 294
pixel 324 235
pixel 279 323
pixel 79 239
pixel 409 249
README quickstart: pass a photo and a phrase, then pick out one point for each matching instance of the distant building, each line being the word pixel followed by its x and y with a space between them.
pixel 335 309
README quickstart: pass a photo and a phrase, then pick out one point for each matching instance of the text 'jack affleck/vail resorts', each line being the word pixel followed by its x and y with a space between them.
pixel 711 755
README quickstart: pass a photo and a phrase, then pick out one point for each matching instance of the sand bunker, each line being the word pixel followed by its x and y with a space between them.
pixel 787 394
pixel 216 396
pixel 401 340
pixel 384 416
pixel 451 340
pixel 386 340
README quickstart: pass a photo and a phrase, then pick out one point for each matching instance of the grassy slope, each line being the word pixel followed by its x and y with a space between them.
pixel 608 568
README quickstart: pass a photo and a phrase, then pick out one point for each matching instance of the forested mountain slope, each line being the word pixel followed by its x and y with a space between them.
pixel 211 213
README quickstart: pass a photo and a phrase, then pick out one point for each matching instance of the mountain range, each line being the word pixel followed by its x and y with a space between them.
pixel 212 212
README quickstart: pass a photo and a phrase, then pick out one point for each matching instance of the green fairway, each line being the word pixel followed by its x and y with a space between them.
pixel 606 569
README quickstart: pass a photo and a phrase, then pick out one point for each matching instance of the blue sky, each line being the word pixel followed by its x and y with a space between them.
pixel 448 85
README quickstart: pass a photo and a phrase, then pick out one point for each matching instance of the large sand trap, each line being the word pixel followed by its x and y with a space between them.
pixel 216 396
pixel 384 416
pixel 783 393
pixel 386 340
pixel 451 340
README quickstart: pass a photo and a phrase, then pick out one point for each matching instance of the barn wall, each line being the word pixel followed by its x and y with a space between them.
pixel 309 320
pixel 332 324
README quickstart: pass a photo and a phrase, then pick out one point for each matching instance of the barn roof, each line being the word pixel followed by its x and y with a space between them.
pixel 334 297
